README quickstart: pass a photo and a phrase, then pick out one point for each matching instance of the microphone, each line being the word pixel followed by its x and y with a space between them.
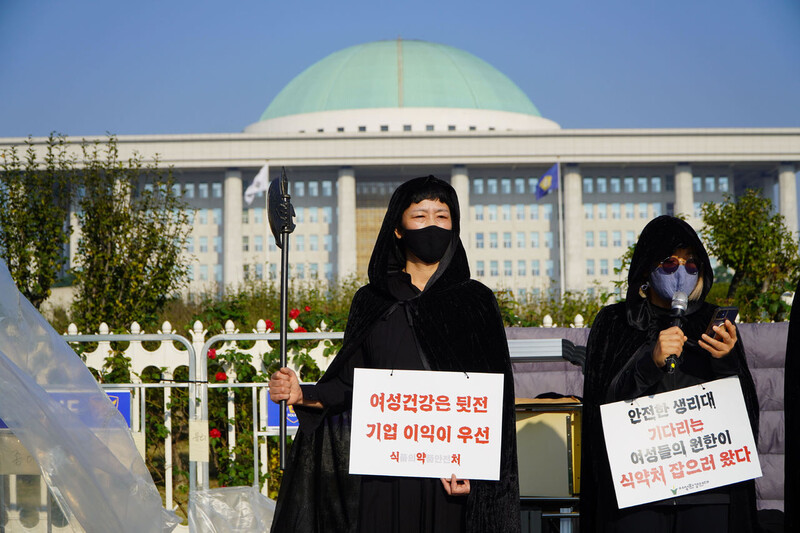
pixel 679 303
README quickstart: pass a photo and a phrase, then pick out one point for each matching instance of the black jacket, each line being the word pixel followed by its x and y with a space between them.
pixel 458 327
pixel 619 366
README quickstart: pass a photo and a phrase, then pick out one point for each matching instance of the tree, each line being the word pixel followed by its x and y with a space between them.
pixel 34 220
pixel 749 238
pixel 133 229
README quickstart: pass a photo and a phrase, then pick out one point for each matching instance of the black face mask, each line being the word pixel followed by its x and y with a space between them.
pixel 429 243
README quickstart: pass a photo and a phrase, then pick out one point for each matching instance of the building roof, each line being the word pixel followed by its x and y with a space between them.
pixel 399 74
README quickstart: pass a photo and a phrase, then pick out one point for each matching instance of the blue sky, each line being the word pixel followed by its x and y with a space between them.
pixel 84 67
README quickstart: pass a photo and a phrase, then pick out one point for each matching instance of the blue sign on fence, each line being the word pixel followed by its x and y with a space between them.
pixel 274 415
pixel 79 403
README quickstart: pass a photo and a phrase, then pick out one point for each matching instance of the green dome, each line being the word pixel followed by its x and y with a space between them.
pixel 396 74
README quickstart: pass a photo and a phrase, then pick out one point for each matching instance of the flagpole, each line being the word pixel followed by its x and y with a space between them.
pixel 560 231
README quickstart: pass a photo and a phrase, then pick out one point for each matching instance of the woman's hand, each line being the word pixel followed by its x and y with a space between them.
pixel 456 487
pixel 722 346
pixel 284 385
pixel 670 342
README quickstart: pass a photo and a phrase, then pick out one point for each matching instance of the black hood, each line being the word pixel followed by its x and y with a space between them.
pixel 658 240
pixel 388 255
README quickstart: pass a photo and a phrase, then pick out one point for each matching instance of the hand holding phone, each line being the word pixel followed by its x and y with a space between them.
pixel 720 316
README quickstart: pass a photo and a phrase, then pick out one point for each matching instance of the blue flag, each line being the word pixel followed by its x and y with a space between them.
pixel 548 182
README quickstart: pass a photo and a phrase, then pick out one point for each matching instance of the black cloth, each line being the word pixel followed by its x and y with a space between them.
pixel 791 397
pixel 619 366
pixel 456 326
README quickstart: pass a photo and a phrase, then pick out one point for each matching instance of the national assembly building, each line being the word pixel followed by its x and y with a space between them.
pixel 351 127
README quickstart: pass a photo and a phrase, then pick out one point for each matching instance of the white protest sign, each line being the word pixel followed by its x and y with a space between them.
pixel 426 424
pixel 679 442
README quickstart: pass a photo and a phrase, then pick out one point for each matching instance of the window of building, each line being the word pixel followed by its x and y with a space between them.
pixel 602 211
pixel 188 190
pixel 723 184
pixel 491 185
pixel 299 214
pixel 203 272
pixel 478 212
pixel 493 269
pixel 245 243
pixel 589 239
pixel 320 130
pixel 362 128
pixel 547 211
pixel 328 271
pixel 472 128
pixel 601 186
pixel 616 212
pixel 245 216
pixel 520 239
pixel 313 188
pixel 711 181
pixel 327 188
pixel 655 184
pixel 202 190
pixel 615 185
pixel 258 243
pixel 217 216
pixel 507 269
pixel 190 244
pixel 548 239
pixel 202 216
pixel 190 273
pixel 258 215
pixel 535 267
pixel 629 211
pixel 299 188
pixel 656 207
pixel 429 127
pixel 176 189
pixel 300 271
pixel 327 242
pixel 506 212
pixel 479 240
pixel 642 210
pixel 521 267
pixel 641 184
pixel 616 238
pixel 532 183
pixel 549 267
pixel 604 267
pixel 203 245
pixel 534 209
pixel 534 239
pixel 492 212
pixel 603 239
pixel 340 129
pixel 216 190
pixel 506 239
pixel 590 267
pixel 313 214
pixel 588 211
pixel 630 238
pixel 384 127
pixel 628 184
pixel 406 127
pixel 327 214
pixel 519 185
pixel 697 184
pixel 698 209
pixel 617 264
pixel 300 243
pixel 271 243
pixel 313 243
pixel 588 185
pixel 313 270
pixel 505 185
pixel 520 212
pixel 218 244
pixel 493 240
pixel 479 269
pixel 477 186
pixel 273 271
pixel 451 127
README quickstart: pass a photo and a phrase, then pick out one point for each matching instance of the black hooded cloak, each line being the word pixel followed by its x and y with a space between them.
pixel 619 366
pixel 457 327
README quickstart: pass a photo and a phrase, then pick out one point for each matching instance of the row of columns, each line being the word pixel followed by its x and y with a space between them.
pixel 573 275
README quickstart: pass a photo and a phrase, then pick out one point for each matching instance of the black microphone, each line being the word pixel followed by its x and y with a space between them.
pixel 679 303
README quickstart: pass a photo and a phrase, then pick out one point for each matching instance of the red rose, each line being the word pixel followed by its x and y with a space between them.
pixel 214 433
pixel 294 313
pixel 212 353
pixel 308 308
pixel 269 324
pixel 221 376
pixel 301 329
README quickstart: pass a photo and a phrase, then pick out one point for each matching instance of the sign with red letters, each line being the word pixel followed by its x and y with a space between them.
pixel 679 442
pixel 417 423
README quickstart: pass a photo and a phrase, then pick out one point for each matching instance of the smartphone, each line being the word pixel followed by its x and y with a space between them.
pixel 720 316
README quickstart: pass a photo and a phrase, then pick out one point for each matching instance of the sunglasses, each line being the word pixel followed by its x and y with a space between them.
pixel 671 264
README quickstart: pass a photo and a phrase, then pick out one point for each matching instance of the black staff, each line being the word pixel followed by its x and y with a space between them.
pixel 281 214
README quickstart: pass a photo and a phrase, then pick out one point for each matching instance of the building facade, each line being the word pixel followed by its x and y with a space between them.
pixel 364 119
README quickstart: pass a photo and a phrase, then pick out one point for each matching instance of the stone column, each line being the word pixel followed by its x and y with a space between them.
pixel 459 179
pixel 574 260
pixel 787 195
pixel 346 263
pixel 232 257
pixel 684 193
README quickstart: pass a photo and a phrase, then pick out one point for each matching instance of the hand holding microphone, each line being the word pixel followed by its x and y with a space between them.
pixel 670 341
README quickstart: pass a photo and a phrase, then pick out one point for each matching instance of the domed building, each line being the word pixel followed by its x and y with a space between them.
pixel 352 126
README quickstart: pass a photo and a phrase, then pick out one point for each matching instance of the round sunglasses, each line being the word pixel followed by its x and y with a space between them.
pixel 671 264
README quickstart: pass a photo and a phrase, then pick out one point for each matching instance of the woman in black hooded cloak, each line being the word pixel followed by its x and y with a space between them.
pixel 626 358
pixel 419 311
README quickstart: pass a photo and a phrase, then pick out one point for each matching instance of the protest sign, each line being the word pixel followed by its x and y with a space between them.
pixel 679 442
pixel 426 424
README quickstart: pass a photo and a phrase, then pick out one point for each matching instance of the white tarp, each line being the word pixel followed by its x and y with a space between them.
pixel 87 458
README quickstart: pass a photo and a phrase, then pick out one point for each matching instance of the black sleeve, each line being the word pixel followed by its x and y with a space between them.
pixel 336 393
pixel 636 377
